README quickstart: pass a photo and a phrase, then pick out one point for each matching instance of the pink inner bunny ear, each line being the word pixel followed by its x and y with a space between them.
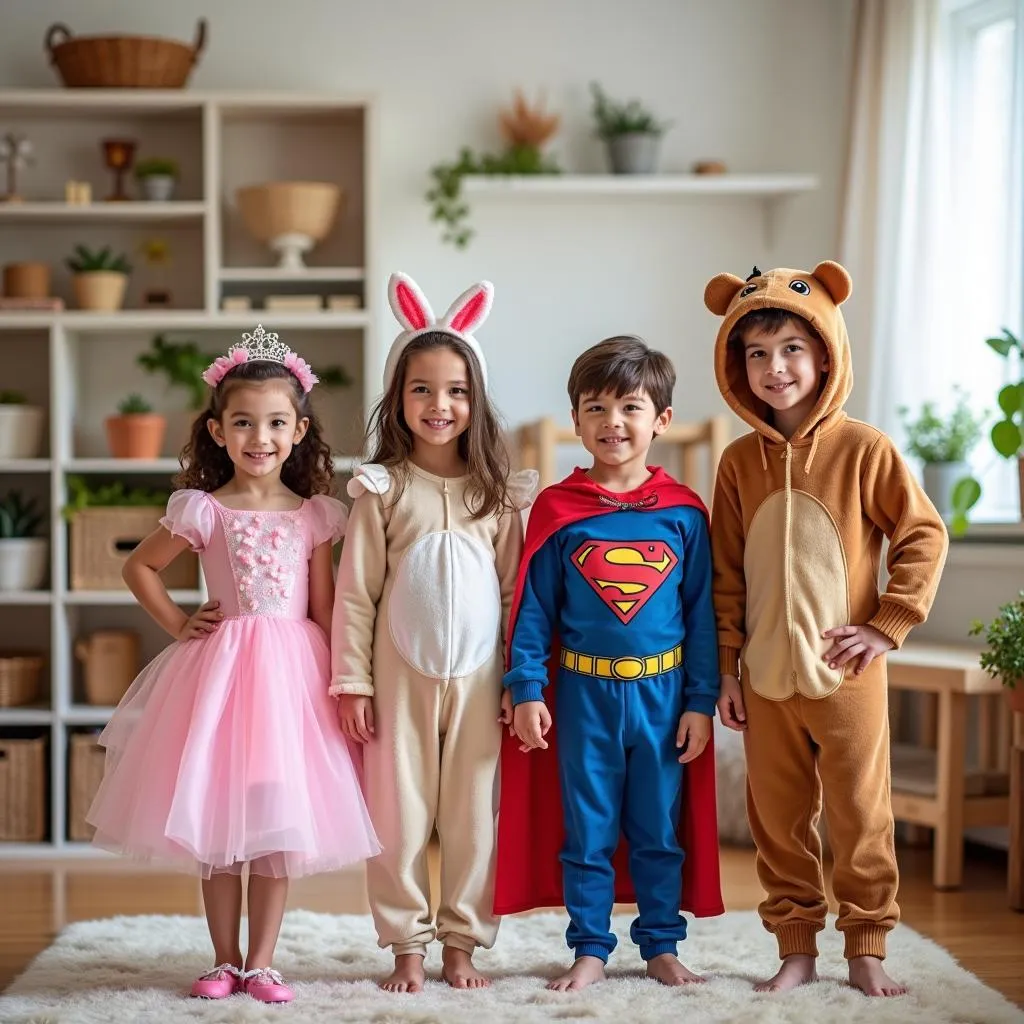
pixel 470 309
pixel 408 303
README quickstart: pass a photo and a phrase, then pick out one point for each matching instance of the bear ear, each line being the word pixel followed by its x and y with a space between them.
pixel 836 280
pixel 720 291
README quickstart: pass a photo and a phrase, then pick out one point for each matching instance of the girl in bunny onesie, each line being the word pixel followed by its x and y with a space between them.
pixel 426 580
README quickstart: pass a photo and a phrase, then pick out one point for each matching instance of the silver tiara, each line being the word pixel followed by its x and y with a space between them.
pixel 262 346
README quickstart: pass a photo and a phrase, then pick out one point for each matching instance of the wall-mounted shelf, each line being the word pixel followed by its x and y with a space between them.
pixel 768 189
pixel 78 365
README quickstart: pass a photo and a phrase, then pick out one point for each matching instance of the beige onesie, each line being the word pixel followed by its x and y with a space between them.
pixel 422 601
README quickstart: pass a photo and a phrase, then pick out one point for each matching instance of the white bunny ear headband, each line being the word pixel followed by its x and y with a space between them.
pixel 413 312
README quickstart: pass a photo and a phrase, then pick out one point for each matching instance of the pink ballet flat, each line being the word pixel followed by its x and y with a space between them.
pixel 266 985
pixel 221 982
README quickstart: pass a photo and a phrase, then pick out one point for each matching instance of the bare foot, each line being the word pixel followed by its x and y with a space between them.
pixel 667 969
pixel 458 969
pixel 408 975
pixel 796 970
pixel 867 974
pixel 585 971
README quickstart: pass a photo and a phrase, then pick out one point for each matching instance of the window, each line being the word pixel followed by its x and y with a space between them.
pixel 986 217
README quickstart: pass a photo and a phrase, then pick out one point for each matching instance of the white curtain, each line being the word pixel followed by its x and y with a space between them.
pixel 896 233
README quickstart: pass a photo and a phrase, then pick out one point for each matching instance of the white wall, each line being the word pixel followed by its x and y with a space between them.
pixel 762 85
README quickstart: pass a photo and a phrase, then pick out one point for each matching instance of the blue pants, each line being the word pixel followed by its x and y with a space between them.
pixel 619 771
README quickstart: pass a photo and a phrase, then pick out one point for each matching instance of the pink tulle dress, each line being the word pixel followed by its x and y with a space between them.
pixel 228 750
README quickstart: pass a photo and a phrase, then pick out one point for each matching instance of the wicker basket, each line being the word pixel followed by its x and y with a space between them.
pixel 19 678
pixel 124 62
pixel 22 790
pixel 85 761
pixel 103 538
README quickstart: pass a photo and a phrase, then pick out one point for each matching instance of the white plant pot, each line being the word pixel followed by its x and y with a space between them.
pixel 23 563
pixel 939 480
pixel 157 188
pixel 21 431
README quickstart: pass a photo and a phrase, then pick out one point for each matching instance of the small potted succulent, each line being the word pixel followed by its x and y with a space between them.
pixel 22 553
pixel 1003 659
pixel 21 426
pixel 136 432
pixel 630 132
pixel 943 444
pixel 157 178
pixel 100 278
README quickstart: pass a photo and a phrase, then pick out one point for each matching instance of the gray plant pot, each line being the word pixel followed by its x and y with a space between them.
pixel 939 480
pixel 635 153
pixel 158 188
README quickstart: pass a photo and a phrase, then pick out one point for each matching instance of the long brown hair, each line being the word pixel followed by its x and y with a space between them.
pixel 205 465
pixel 481 445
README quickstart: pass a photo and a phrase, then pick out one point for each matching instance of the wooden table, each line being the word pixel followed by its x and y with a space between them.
pixel 949 798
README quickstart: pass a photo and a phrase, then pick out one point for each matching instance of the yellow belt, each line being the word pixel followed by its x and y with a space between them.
pixel 626 669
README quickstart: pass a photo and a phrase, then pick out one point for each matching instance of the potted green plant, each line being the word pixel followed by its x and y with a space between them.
pixel 942 443
pixel 157 177
pixel 1007 434
pixel 1003 658
pixel 21 426
pixel 100 278
pixel 22 553
pixel 136 432
pixel 630 132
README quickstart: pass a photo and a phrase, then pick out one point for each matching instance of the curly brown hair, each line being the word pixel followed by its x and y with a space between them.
pixel 481 445
pixel 205 465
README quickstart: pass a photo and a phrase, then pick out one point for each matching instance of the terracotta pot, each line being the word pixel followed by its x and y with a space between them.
pixel 27 280
pixel 136 436
pixel 100 289
pixel 1015 697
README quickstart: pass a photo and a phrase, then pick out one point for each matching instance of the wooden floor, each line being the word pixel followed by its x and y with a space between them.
pixel 39 898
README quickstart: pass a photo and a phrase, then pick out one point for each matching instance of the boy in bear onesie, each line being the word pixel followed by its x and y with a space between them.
pixel 800 509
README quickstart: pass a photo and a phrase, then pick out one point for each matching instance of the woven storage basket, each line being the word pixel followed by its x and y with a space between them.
pixel 85 760
pixel 126 62
pixel 22 790
pixel 103 538
pixel 19 678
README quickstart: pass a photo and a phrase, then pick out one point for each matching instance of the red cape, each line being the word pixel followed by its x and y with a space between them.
pixel 531 832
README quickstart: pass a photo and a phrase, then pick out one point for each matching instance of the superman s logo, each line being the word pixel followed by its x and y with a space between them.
pixel 624 574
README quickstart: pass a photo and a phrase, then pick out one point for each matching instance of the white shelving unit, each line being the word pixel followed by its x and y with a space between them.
pixel 80 364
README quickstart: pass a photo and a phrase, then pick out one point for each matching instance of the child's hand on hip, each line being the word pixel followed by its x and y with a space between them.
pixel 202 622
pixel 692 735
pixel 355 714
pixel 853 641
pixel 531 721
pixel 730 704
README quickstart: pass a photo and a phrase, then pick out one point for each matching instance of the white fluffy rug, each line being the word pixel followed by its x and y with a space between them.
pixel 136 969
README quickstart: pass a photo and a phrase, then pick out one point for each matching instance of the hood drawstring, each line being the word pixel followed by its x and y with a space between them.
pixel 764 456
pixel 814 447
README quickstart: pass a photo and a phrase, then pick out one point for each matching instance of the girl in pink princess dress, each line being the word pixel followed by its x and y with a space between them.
pixel 226 750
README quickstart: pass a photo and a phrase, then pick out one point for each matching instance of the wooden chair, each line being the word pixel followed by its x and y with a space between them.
pixel 537 444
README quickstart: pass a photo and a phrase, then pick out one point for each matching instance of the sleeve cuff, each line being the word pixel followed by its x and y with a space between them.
pixel 522 692
pixel 702 704
pixel 342 686
pixel 894 621
pixel 729 661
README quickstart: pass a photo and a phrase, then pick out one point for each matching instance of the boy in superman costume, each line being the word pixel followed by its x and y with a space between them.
pixel 614 593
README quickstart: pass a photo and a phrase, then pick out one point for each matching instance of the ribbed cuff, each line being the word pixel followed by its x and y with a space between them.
pixel 658 949
pixel 894 621
pixel 522 692
pixel 591 949
pixel 702 704
pixel 356 689
pixel 865 940
pixel 798 938
pixel 729 661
